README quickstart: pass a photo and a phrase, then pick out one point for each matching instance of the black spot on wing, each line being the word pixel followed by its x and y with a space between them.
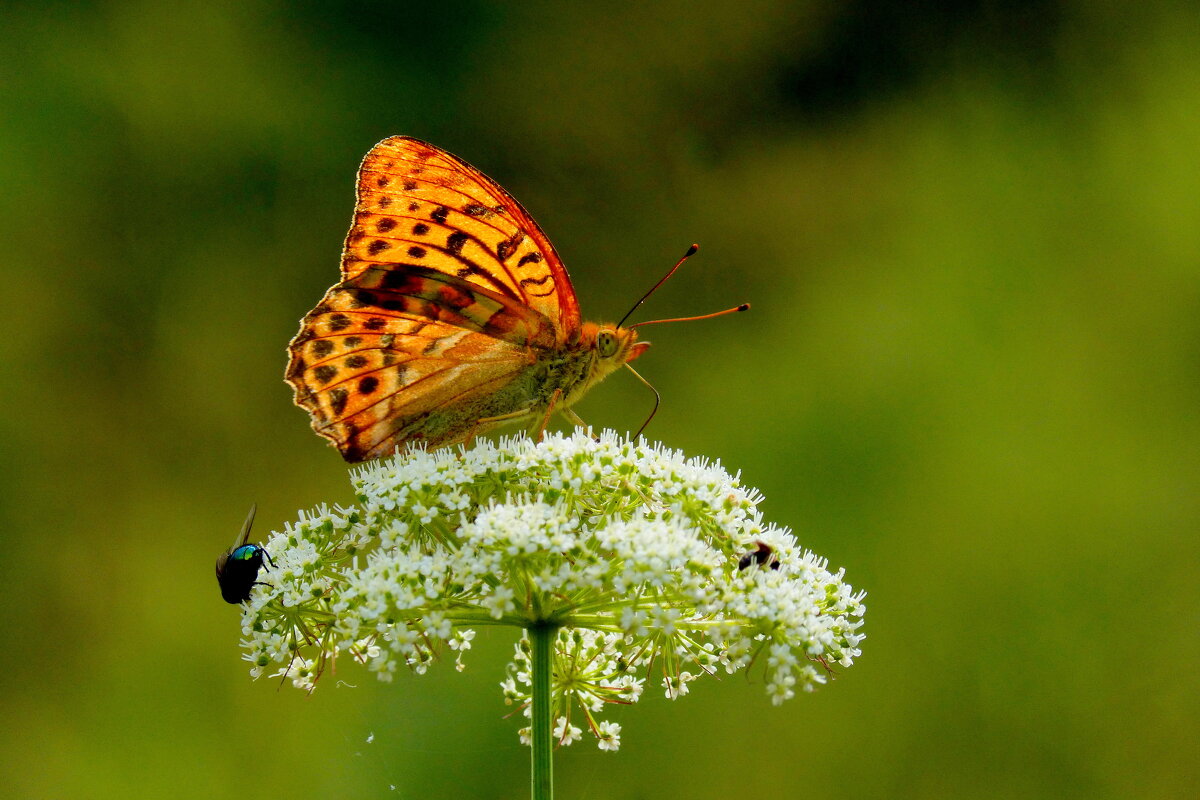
pixel 337 400
pixel 361 298
pixel 539 282
pixel 455 242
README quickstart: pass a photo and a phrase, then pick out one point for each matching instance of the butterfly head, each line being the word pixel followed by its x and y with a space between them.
pixel 614 346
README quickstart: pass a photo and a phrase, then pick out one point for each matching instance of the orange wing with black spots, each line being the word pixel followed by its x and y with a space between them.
pixel 420 207
pixel 373 381
pixel 450 295
pixel 454 315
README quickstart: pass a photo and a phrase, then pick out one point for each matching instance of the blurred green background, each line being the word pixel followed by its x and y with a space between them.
pixel 971 234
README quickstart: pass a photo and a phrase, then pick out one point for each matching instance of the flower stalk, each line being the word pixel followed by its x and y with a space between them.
pixel 541 645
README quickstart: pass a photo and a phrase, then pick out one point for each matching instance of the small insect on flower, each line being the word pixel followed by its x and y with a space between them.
pixel 763 555
pixel 237 569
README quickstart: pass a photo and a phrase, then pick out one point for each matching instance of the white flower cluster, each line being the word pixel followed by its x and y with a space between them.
pixel 652 566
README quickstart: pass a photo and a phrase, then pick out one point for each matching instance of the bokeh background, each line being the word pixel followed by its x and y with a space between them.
pixel 971 234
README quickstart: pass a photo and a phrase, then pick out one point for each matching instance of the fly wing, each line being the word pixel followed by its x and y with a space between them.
pixel 244 536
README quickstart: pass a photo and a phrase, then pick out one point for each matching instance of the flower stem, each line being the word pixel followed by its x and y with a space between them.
pixel 541 641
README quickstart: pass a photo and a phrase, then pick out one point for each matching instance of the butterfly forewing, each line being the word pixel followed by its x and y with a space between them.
pixel 421 206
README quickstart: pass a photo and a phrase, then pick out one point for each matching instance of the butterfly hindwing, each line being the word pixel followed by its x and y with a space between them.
pixel 447 400
pixel 369 372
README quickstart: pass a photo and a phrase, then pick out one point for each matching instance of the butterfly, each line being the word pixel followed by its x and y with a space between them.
pixel 454 315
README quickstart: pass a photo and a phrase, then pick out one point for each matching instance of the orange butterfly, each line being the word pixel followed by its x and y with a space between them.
pixel 454 314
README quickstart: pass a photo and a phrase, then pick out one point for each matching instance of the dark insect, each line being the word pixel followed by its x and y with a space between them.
pixel 762 555
pixel 237 569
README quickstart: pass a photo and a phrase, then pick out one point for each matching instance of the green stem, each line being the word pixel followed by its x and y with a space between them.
pixel 541 641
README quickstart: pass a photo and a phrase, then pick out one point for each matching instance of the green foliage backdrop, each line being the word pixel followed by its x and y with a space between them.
pixel 971 234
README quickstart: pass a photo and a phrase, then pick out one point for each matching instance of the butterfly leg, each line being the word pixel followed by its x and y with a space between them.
pixel 504 417
pixel 541 428
pixel 574 419
pixel 487 422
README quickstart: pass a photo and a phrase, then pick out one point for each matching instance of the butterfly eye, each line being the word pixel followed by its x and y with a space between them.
pixel 606 343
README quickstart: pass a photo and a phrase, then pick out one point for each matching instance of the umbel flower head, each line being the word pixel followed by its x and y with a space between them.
pixel 651 566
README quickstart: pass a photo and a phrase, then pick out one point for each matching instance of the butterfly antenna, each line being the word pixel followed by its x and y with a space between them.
pixel 734 310
pixel 690 252
pixel 657 399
